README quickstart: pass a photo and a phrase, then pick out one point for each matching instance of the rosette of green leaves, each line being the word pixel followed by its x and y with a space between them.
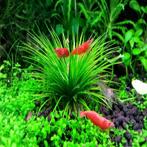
pixel 69 83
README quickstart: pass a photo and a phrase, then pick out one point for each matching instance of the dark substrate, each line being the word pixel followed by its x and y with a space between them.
pixel 125 115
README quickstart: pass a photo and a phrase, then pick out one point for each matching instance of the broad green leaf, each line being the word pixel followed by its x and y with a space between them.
pixel 126 58
pixel 146 53
pixel 136 39
pixel 135 5
pixel 144 9
pixel 144 47
pixel 129 34
pixel 141 21
pixel 144 62
pixel 3 76
pixel 139 32
pixel 132 42
pixel 2 67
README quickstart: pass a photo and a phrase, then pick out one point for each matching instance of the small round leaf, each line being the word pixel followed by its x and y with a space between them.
pixel 136 51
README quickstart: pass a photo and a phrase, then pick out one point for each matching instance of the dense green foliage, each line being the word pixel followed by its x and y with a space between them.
pixel 15 104
pixel 45 82
pixel 18 130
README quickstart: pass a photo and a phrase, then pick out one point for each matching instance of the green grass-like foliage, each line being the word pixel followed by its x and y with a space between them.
pixel 69 82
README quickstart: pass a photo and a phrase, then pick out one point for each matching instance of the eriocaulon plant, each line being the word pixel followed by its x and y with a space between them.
pixel 70 70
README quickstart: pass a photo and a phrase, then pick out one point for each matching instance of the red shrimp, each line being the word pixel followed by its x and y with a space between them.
pixel 97 120
pixel 62 52
pixel 82 48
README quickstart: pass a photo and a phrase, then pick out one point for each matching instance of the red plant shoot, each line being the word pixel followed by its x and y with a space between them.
pixel 97 120
pixel 62 52
pixel 82 48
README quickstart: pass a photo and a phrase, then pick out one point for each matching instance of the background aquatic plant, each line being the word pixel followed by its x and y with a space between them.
pixel 69 82
pixel 69 16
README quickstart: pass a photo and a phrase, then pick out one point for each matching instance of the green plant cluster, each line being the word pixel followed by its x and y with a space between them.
pixel 68 83
pixel 71 82
pixel 17 100
pixel 77 131
pixel 136 46
pixel 38 131
pixel 15 104
pixel 17 96
pixel 16 132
